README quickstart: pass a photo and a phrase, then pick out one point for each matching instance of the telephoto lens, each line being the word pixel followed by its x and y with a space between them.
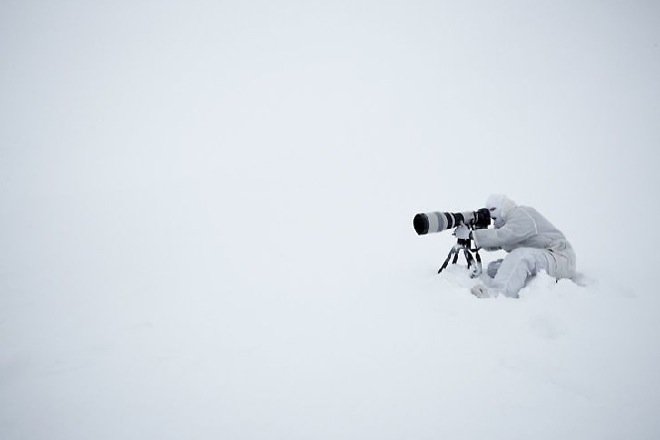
pixel 421 224
pixel 425 223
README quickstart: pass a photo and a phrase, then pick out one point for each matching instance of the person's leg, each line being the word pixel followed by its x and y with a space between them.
pixel 518 267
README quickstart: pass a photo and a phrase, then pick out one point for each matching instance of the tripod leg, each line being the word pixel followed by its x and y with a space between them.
pixel 468 257
pixel 474 268
pixel 477 270
pixel 444 265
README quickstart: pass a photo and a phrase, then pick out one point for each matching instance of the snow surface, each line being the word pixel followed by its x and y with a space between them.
pixel 206 219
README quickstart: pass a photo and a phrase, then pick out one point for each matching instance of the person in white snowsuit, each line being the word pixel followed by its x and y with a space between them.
pixel 533 243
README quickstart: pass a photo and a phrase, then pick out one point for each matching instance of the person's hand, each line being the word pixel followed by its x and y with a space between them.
pixel 462 232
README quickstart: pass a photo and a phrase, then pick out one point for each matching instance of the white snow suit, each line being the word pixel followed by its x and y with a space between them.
pixel 533 244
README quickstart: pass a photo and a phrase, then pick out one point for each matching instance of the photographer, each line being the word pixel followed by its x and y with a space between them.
pixel 533 244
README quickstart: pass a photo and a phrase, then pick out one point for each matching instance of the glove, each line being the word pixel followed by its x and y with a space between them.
pixel 462 232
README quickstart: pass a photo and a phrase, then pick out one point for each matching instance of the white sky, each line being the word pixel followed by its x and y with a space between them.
pixel 256 150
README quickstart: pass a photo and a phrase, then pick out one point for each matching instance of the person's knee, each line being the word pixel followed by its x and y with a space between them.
pixel 514 272
pixel 526 259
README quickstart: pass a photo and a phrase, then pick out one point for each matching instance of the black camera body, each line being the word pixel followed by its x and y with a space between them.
pixel 425 223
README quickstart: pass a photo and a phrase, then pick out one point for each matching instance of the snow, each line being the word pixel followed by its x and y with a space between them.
pixel 206 219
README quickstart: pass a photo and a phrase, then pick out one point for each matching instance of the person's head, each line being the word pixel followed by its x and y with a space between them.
pixel 499 206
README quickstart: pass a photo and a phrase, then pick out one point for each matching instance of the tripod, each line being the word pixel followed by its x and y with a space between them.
pixel 473 262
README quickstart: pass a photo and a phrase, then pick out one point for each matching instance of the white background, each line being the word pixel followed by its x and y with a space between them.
pixel 206 218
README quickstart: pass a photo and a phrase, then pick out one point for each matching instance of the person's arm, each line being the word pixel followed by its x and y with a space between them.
pixel 519 227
